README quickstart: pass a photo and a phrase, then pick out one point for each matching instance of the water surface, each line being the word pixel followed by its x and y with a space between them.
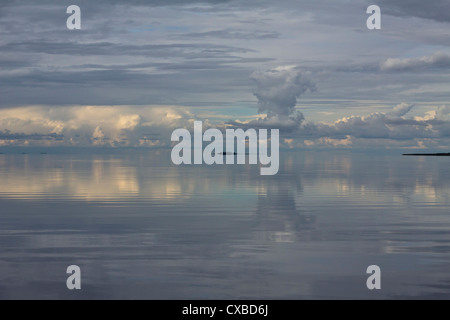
pixel 141 228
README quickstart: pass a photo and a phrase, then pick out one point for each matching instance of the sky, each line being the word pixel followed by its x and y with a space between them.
pixel 138 70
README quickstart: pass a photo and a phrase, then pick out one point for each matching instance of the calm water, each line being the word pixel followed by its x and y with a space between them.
pixel 142 228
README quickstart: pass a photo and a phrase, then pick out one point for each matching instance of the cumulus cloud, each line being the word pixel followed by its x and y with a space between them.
pixel 152 126
pixel 277 92
pixel 437 60
pixel 91 125
pixel 400 110
pixel 278 89
pixel 394 127
pixel 390 125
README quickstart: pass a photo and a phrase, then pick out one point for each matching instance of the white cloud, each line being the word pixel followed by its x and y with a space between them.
pixel 400 110
pixel 436 60
pixel 381 125
pixel 91 125
pixel 152 126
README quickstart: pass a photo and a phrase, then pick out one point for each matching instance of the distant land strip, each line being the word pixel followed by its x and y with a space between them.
pixel 428 154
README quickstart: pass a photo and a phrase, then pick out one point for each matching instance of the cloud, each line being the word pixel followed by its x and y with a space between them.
pixel 437 10
pixel 91 125
pixel 439 60
pixel 103 3
pixel 283 123
pixel 108 63
pixel 378 125
pixel 8 135
pixel 202 50
pixel 151 126
pixel 278 89
pixel 233 34
pixel 400 110
pixel 394 128
pixel 200 53
pixel 391 126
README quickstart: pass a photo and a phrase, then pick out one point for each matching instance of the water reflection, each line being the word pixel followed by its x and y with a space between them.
pixel 141 227
pixel 151 176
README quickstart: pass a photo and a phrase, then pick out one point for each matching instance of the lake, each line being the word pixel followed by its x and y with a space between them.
pixel 140 227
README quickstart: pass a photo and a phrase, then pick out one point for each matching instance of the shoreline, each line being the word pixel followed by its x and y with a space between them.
pixel 428 154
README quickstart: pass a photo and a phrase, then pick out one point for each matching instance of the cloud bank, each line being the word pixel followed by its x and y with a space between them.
pixel 151 126
pixel 113 126
pixel 277 91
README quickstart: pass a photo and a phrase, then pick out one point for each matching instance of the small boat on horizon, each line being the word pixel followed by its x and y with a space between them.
pixel 228 153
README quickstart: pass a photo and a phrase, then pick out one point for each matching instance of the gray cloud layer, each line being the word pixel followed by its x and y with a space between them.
pixel 438 10
pixel 188 52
